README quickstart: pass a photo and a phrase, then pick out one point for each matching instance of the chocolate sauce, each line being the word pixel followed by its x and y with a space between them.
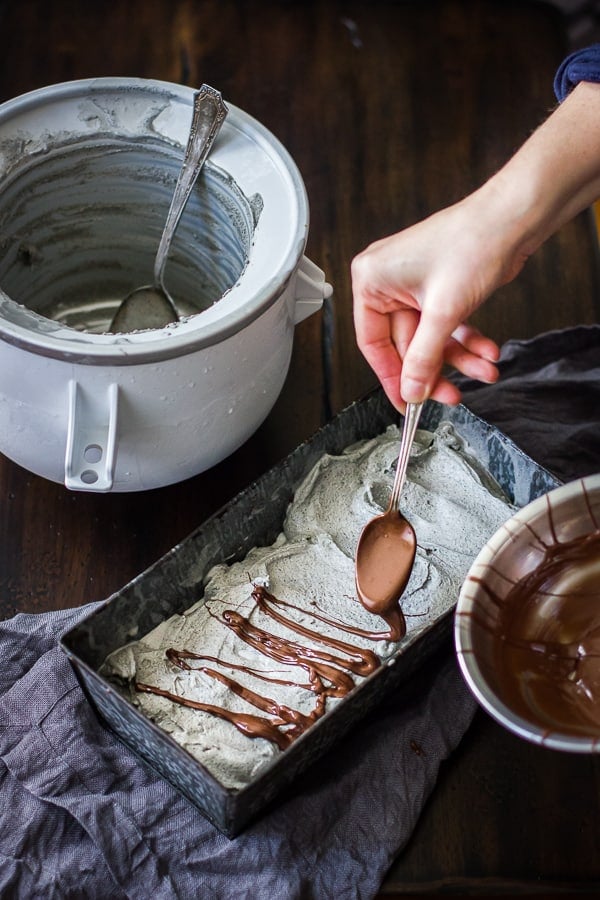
pixel 547 659
pixel 253 726
pixel 384 561
pixel 327 669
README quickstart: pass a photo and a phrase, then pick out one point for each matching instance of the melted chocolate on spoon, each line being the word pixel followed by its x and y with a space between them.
pixel 383 565
pixel 386 548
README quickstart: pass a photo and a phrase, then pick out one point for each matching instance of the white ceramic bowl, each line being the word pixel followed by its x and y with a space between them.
pixel 87 171
pixel 527 625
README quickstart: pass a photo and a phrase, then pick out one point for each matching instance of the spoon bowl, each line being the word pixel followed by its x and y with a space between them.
pixel 151 306
pixel 145 307
pixel 386 549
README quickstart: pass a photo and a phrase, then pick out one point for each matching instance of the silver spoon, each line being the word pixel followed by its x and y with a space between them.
pixel 152 306
pixel 387 546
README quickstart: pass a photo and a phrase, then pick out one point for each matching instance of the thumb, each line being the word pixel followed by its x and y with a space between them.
pixel 424 358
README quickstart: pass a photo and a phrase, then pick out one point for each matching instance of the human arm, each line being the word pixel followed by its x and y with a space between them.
pixel 415 291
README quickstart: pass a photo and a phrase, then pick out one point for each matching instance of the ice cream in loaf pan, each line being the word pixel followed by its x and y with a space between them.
pixel 279 638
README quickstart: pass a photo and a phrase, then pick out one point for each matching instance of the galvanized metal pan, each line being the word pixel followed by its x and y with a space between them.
pixel 173 583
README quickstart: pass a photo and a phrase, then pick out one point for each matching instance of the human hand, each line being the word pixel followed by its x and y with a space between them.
pixel 413 295
pixel 414 291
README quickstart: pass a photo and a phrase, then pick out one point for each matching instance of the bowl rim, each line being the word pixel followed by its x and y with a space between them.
pixel 467 662
pixel 255 291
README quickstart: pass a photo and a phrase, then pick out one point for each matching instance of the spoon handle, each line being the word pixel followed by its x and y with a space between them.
pixel 207 118
pixel 411 421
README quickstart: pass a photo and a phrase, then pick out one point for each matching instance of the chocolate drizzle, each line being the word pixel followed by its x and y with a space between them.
pixel 328 667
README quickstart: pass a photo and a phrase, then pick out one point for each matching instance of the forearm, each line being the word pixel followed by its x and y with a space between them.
pixel 415 291
pixel 553 176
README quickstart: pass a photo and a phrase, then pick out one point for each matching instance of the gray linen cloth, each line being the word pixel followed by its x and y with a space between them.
pixel 80 817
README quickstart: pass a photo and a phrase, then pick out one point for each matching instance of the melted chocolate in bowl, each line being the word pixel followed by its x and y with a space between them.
pixel 528 620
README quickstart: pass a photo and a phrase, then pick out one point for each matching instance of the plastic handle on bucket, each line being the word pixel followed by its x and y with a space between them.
pixel 311 290
pixel 91 438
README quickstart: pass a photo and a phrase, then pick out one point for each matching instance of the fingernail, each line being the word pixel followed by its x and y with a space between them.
pixel 413 391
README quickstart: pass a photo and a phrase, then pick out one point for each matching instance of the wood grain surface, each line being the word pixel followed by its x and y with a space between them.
pixel 391 110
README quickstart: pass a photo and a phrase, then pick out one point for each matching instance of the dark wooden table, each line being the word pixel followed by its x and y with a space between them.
pixel 391 110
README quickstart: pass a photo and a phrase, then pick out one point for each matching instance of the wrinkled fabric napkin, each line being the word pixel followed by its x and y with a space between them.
pixel 81 817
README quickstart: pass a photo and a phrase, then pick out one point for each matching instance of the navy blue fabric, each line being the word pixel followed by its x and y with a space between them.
pixel 582 65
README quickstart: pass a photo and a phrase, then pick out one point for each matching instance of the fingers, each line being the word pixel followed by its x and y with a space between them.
pixel 408 325
pixel 436 342
pixel 473 354
pixel 471 338
pixel 424 357
pixel 407 350
pixel 383 339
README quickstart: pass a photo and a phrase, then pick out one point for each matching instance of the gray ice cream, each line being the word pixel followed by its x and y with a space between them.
pixel 279 638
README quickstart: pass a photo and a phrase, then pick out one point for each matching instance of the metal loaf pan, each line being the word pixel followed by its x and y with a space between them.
pixel 255 517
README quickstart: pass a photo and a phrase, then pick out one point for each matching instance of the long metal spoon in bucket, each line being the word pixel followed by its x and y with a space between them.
pixel 387 546
pixel 152 306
